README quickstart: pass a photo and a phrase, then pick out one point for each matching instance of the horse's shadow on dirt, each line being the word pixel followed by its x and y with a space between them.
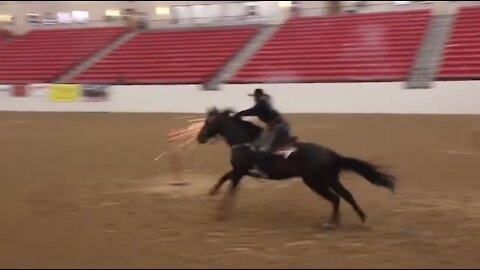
pixel 269 217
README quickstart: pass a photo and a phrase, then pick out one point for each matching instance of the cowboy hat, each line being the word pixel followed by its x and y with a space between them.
pixel 258 92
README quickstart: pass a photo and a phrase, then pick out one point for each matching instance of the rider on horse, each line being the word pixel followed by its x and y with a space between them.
pixel 278 128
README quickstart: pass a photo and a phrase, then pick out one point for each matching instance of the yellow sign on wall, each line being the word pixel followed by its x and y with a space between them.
pixel 64 92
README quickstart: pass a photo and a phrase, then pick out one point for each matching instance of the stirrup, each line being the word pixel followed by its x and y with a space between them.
pixel 255 170
pixel 264 149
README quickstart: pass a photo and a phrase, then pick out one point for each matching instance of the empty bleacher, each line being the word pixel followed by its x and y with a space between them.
pixel 43 55
pixel 461 57
pixel 182 56
pixel 4 35
pixel 359 47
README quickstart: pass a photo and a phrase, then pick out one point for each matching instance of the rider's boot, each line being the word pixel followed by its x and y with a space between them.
pixel 260 164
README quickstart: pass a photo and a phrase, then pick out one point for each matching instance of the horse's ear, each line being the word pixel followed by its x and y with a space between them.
pixel 229 112
pixel 212 110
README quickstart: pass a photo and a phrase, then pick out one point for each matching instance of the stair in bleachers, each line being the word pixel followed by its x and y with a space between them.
pixel 169 57
pixel 241 57
pixel 429 55
pixel 67 77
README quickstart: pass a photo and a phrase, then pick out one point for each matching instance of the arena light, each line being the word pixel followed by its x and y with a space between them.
pixel 284 4
pixel 112 13
pixel 80 16
pixel 64 17
pixel 5 18
pixel 162 11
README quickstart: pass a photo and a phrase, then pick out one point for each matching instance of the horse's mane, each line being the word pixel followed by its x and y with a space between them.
pixel 253 130
pixel 246 124
pixel 242 123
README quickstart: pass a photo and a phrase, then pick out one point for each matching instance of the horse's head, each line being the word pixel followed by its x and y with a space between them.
pixel 214 124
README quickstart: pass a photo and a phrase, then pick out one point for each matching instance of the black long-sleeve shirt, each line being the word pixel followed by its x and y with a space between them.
pixel 263 110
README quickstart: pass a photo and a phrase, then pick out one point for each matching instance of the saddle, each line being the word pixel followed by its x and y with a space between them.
pixel 289 143
pixel 286 148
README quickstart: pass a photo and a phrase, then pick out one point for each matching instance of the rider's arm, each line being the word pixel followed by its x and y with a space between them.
pixel 249 112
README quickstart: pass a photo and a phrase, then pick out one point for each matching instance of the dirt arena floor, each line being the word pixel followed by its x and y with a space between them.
pixel 82 190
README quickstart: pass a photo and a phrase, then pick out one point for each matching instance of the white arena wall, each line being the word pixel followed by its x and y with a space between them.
pixel 460 97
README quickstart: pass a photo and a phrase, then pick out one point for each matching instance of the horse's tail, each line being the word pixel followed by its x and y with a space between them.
pixel 369 171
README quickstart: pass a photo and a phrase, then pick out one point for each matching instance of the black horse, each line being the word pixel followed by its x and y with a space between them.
pixel 318 166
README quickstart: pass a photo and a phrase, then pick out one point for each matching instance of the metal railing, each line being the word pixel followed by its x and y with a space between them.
pixel 168 23
pixel 245 19
pixel 347 7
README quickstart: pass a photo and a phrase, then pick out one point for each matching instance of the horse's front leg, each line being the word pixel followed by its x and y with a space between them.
pixel 227 203
pixel 220 182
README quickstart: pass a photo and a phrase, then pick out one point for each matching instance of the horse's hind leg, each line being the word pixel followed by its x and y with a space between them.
pixel 318 186
pixel 346 195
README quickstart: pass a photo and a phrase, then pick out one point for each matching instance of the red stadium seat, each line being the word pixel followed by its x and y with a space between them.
pixel 188 56
pixel 359 47
pixel 4 35
pixel 43 55
pixel 461 56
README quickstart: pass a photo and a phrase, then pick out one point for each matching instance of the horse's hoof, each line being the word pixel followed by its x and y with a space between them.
pixel 366 223
pixel 363 218
pixel 213 192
